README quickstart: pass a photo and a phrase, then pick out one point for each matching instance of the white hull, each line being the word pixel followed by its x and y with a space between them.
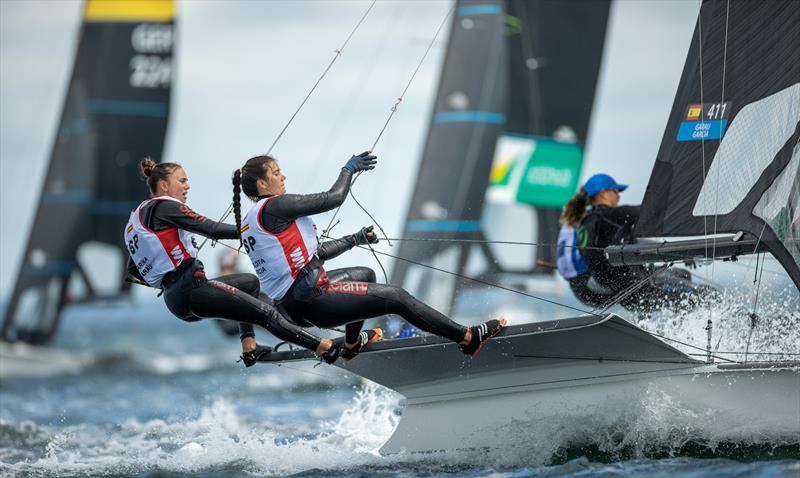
pixel 20 360
pixel 584 375
pixel 725 404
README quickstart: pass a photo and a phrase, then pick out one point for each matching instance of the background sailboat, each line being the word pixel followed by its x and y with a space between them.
pixel 505 142
pixel 115 112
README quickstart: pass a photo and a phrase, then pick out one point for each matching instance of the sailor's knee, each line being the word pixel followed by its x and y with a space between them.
pixel 365 274
pixel 250 285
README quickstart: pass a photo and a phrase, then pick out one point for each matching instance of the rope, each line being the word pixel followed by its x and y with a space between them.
pixel 491 284
pixel 702 138
pixel 337 54
pixel 393 110
pixel 722 103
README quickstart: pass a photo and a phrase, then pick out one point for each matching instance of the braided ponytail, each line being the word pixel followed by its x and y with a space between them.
pixel 237 204
pixel 575 209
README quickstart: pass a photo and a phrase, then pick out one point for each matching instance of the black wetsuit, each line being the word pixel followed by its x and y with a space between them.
pixel 604 226
pixel 349 295
pixel 190 296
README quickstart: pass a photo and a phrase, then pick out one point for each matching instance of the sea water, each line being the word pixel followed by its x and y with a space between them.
pixel 160 397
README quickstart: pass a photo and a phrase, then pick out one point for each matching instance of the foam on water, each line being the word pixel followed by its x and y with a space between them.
pixel 220 438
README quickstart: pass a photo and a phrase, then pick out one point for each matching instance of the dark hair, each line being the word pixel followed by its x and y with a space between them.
pixel 244 179
pixel 575 209
pixel 153 173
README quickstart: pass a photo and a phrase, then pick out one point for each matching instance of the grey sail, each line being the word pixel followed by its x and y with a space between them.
pixel 505 141
pixel 115 112
pixel 729 162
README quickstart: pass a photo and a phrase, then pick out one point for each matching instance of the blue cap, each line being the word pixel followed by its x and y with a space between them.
pixel 601 182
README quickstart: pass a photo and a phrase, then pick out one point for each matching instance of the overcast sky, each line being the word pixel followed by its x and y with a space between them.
pixel 244 66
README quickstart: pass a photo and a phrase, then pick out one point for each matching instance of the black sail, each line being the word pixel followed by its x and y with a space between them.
pixel 517 74
pixel 729 161
pixel 115 113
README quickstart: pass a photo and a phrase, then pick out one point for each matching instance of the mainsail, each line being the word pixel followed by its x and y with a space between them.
pixel 115 113
pixel 729 161
pixel 511 115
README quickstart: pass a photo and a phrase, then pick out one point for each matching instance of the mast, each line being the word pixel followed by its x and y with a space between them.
pixel 505 142
pixel 115 113
pixel 729 161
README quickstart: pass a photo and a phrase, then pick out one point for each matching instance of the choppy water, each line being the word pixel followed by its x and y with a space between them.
pixel 157 397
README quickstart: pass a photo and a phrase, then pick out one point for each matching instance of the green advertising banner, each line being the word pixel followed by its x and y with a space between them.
pixel 538 171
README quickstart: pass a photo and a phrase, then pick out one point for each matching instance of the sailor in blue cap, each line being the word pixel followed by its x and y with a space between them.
pixel 593 220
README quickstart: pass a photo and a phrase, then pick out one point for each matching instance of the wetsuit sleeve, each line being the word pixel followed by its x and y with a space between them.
pixel 288 207
pixel 246 330
pixel 626 217
pixel 330 249
pixel 173 214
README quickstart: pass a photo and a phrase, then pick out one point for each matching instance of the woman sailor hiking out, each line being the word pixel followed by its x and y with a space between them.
pixel 280 238
pixel 591 276
pixel 163 255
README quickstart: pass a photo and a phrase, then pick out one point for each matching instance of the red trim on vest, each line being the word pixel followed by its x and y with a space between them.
pixel 171 242
pixel 167 237
pixel 348 287
pixel 291 241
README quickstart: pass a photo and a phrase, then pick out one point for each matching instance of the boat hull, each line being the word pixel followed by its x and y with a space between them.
pixel 575 377
pixel 730 404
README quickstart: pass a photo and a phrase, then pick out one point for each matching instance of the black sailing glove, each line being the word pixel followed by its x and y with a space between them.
pixel 250 358
pixel 364 236
pixel 333 353
pixel 361 162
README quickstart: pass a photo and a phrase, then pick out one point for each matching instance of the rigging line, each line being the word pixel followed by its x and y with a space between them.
pixel 702 138
pixel 664 337
pixel 484 241
pixel 337 54
pixel 625 293
pixel 393 110
pixel 388 29
pixel 605 359
pixel 722 104
pixel 753 353
pixel 413 75
pixel 491 284
pixel 753 315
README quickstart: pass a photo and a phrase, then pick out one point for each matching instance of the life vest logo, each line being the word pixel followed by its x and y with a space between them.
pixel 298 261
pixel 177 254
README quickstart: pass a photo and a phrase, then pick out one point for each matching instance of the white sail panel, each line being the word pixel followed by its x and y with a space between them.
pixel 756 135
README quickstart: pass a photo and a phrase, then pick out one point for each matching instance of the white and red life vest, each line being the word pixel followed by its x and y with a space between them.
pixel 157 252
pixel 278 258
